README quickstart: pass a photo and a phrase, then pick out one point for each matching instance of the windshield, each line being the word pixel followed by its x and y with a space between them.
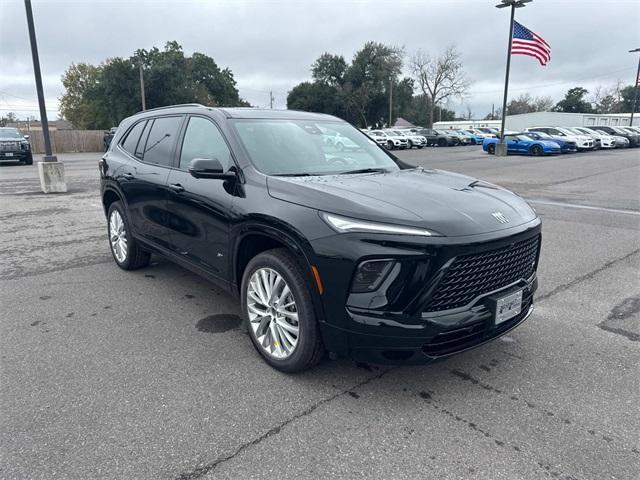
pixel 520 137
pixel 543 135
pixel 10 133
pixel 299 147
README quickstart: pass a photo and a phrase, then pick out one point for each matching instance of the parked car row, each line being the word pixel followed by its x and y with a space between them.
pixel 554 140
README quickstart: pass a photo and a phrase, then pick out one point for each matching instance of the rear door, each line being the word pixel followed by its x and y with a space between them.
pixel 200 208
pixel 144 178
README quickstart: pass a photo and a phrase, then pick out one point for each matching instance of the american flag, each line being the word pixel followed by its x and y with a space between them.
pixel 525 42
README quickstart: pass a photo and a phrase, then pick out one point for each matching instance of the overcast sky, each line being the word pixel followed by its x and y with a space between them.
pixel 269 45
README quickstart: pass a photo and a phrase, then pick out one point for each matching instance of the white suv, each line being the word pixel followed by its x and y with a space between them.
pixel 603 140
pixel 392 140
pixel 583 142
pixel 413 139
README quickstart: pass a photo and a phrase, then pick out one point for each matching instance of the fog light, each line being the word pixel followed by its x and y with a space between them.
pixel 370 275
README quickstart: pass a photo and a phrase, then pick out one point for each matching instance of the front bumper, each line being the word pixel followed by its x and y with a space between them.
pixel 402 322
pixel 14 156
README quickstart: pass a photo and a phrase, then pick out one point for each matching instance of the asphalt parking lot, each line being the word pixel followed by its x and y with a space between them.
pixel 147 374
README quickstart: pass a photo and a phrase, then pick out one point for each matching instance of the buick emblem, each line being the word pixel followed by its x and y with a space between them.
pixel 500 217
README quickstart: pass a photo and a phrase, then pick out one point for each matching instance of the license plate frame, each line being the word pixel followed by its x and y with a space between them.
pixel 507 307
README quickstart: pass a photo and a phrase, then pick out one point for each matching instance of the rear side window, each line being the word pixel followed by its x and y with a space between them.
pixel 131 141
pixel 161 140
pixel 203 140
pixel 143 140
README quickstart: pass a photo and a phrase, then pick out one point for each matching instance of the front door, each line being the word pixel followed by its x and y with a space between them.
pixel 200 208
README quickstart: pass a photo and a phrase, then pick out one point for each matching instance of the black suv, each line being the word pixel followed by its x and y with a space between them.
pixel 14 147
pixel 435 137
pixel 354 253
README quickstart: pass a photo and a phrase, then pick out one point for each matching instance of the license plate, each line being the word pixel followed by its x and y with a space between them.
pixel 508 307
pixel 8 154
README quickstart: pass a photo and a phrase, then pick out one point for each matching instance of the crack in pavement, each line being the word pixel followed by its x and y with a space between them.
pixel 205 469
pixel 586 276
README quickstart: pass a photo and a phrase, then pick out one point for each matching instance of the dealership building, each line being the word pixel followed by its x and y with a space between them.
pixel 552 119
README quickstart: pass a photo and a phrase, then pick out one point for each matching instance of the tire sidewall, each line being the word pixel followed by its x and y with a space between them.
pixel 118 206
pixel 491 149
pixel 307 322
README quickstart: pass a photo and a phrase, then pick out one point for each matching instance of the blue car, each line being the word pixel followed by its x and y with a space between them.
pixel 522 143
pixel 566 146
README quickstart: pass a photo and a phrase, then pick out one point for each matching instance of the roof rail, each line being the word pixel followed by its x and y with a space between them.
pixel 173 106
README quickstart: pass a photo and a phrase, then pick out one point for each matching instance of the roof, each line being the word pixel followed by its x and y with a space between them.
pixel 248 112
pixel 241 112
pixel 402 122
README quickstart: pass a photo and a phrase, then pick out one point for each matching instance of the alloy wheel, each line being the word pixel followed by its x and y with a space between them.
pixel 118 236
pixel 273 314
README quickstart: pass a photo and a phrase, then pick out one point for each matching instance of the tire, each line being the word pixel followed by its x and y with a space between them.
pixel 389 145
pixel 491 149
pixel 308 349
pixel 442 142
pixel 536 150
pixel 134 256
pixel 29 160
pixel 410 145
pixel 420 147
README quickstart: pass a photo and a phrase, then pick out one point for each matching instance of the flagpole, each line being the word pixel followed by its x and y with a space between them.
pixel 502 147
pixel 506 75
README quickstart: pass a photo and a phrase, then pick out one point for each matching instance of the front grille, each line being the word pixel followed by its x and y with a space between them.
pixel 476 274
pixel 9 146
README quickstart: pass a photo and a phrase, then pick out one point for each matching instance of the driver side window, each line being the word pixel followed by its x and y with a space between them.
pixel 203 140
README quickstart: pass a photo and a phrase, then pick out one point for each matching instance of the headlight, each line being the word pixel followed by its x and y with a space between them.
pixel 348 225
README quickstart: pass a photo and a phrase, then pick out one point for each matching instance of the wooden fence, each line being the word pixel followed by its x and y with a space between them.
pixel 64 141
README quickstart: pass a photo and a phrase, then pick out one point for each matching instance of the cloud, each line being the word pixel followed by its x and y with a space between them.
pixel 269 45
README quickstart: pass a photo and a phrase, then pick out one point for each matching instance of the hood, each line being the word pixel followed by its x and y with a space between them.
pixel 12 139
pixel 550 143
pixel 443 202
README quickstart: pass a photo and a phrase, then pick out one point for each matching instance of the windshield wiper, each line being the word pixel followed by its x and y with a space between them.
pixel 365 170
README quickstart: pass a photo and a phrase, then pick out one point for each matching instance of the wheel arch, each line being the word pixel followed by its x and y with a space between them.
pixel 111 194
pixel 256 238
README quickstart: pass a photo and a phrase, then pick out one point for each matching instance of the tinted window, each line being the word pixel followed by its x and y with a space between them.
pixel 162 139
pixel 131 141
pixel 143 140
pixel 203 140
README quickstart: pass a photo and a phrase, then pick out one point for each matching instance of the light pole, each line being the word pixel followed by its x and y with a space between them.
pixel 50 170
pixel 502 147
pixel 635 90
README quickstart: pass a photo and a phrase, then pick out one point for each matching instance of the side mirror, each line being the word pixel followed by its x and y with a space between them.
pixel 26 137
pixel 209 168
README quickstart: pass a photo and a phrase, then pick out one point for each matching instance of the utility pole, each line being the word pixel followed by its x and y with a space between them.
pixel 492 110
pixel 391 103
pixel 501 148
pixel 142 96
pixel 50 170
pixel 271 99
pixel 635 90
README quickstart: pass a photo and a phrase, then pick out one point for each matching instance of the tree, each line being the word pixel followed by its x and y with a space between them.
pixel 329 69
pixel 98 97
pixel 360 91
pixel 626 104
pixel 440 77
pixel 574 102
pixel 525 103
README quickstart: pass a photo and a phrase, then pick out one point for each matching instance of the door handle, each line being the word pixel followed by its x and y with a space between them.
pixel 128 176
pixel 176 187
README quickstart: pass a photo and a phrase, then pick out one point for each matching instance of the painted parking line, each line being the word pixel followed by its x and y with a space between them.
pixel 582 207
